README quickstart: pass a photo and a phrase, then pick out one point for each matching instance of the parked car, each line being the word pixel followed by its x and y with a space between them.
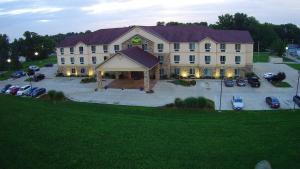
pixel 37 92
pixel 9 89
pixel 14 90
pixel 254 81
pixel 30 91
pixel 49 65
pixel 240 82
pixel 3 90
pixel 268 75
pixel 273 102
pixel 18 74
pixel 34 68
pixel 237 103
pixel 296 99
pixel 37 77
pixel 30 72
pixel 228 82
pixel 22 90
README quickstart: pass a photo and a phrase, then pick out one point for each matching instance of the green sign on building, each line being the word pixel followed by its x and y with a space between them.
pixel 136 40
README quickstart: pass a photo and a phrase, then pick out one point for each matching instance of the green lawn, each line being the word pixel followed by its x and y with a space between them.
pixel 25 66
pixel 281 84
pixel 262 57
pixel 41 134
pixel 295 66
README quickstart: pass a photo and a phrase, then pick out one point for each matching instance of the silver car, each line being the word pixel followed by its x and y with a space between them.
pixel 237 103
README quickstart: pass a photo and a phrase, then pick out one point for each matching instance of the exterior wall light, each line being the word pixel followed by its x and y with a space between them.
pixel 68 73
pixel 184 74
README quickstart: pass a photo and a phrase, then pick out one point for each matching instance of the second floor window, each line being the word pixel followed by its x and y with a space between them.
pixel 192 47
pixel 207 47
pixel 62 51
pixel 176 47
pixel 116 48
pixel 161 59
pixel 176 58
pixel 72 60
pixel 237 47
pixel 94 59
pixel 93 48
pixel 80 50
pixel 105 48
pixel 145 46
pixel 71 50
pixel 222 59
pixel 222 47
pixel 62 61
pixel 81 60
pixel 192 59
pixel 160 47
pixel 237 59
pixel 207 59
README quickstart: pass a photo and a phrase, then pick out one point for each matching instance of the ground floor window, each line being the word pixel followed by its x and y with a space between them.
pixel 222 73
pixel 192 71
pixel 207 72
pixel 73 70
pixel 82 70
pixel 161 72
pixel 237 72
pixel 177 71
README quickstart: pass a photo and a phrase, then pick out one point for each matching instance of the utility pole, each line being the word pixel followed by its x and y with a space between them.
pixel 221 91
pixel 297 89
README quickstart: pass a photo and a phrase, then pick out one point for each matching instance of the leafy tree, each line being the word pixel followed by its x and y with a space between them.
pixel 4 51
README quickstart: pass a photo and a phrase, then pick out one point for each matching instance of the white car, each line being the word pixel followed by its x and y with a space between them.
pixel 8 90
pixel 34 68
pixel 268 75
pixel 22 90
pixel 237 103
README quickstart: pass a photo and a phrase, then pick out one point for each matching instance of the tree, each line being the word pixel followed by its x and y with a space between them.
pixel 4 51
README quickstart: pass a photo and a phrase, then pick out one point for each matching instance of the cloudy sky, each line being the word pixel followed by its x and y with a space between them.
pixel 55 16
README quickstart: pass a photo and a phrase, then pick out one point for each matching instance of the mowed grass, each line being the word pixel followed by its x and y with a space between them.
pixel 295 66
pixel 261 57
pixel 41 134
pixel 25 65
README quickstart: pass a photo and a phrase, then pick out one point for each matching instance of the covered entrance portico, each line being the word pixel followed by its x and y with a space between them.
pixel 133 66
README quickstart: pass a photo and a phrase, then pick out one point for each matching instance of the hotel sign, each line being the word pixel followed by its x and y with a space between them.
pixel 136 40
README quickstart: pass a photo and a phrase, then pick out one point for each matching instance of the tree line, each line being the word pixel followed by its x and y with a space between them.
pixel 270 37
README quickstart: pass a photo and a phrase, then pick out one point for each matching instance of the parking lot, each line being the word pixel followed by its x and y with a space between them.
pixel 165 92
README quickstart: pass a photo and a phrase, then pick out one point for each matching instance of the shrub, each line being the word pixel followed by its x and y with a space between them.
pixel 56 96
pixel 88 80
pixel 51 94
pixel 184 82
pixel 192 102
pixel 178 102
pixel 59 96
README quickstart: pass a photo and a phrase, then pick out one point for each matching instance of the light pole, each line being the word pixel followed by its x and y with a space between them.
pixel 8 61
pixel 36 53
pixel 221 91
pixel 297 88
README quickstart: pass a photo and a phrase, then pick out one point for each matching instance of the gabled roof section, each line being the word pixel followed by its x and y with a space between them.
pixel 181 33
pixel 139 55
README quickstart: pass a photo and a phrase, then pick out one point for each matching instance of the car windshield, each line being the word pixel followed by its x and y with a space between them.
pixel 239 100
pixel 275 100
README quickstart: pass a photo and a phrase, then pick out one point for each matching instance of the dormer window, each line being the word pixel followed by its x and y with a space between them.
pixel 71 50
pixel 207 47
pixel 81 50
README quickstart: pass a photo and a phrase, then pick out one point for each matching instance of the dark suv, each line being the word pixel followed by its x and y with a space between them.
pixel 254 81
pixel 37 77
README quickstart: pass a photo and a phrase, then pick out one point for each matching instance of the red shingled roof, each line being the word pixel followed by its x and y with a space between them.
pixel 140 56
pixel 184 33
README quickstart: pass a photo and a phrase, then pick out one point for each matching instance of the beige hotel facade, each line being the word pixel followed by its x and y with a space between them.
pixel 156 52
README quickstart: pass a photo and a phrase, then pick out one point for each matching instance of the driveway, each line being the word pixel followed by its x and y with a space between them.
pixel 165 92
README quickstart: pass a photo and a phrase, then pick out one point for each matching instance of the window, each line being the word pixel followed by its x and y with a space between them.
pixel 72 60
pixel 192 71
pixel 116 48
pixel 207 72
pixel 222 59
pixel 160 47
pixel 176 47
pixel 192 47
pixel 207 59
pixel 82 70
pixel 222 73
pixel 81 50
pixel 222 47
pixel 237 47
pixel 176 58
pixel 177 71
pixel 192 59
pixel 71 50
pixel 145 46
pixel 207 47
pixel 61 51
pixel 94 59
pixel 237 59
pixel 161 59
pixel 73 70
pixel 62 61
pixel 236 72
pixel 81 60
pixel 105 57
pixel 161 72
pixel 129 45
pixel 93 48
pixel 105 48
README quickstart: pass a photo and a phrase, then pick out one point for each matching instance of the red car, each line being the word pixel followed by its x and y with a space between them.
pixel 14 90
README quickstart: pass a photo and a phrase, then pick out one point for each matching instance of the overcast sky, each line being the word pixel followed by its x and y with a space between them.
pixel 55 16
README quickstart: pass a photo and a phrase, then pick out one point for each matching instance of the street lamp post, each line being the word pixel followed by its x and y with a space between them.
pixel 221 92
pixel 8 61
pixel 297 88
